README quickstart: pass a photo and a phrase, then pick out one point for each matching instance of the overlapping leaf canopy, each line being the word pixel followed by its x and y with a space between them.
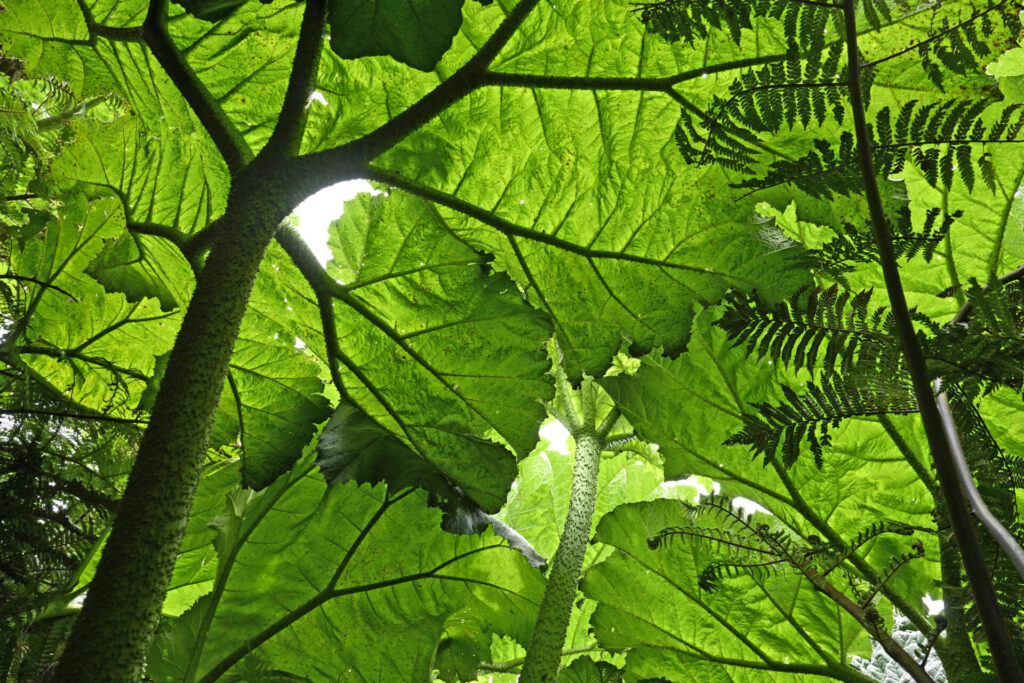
pixel 552 200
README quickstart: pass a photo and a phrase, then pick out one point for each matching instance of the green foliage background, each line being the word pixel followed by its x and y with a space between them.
pixel 568 194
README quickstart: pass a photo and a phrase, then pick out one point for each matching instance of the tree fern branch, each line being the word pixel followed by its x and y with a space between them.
pixel 1000 642
pixel 798 502
pixel 663 84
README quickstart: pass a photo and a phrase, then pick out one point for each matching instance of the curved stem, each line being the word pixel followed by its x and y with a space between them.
pixel 291 122
pixel 1003 657
pixel 998 532
pixel 329 166
pixel 544 653
pixel 225 136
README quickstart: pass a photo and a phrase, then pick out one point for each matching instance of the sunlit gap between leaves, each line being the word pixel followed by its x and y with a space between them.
pixel 316 213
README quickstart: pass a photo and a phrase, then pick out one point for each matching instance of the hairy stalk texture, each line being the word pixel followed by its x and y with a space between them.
pixel 545 651
pixel 122 608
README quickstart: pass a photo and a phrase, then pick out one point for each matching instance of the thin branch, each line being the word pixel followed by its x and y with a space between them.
pixel 225 136
pixel 35 281
pixel 937 36
pixel 510 229
pixel 199 242
pixel 64 354
pixel 797 502
pixel 124 34
pixel 939 141
pixel 606 425
pixel 291 122
pixel 968 308
pixel 996 530
pixel 662 84
pixel 72 416
pixel 872 623
pixel 162 231
pixel 320 283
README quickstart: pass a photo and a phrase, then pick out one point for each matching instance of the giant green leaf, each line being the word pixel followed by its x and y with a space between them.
pixel 863 478
pixel 545 196
pixel 773 628
pixel 439 350
pixel 333 568
pixel 97 347
pixel 416 32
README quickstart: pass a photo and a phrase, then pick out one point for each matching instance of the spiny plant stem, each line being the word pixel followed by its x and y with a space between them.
pixel 121 610
pixel 1000 644
pixel 545 651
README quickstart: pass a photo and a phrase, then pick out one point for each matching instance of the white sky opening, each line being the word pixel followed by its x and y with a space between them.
pixel 934 606
pixel 318 211
pixel 558 436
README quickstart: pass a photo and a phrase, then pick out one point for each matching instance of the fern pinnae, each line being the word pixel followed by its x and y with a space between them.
pixel 816 328
pixel 692 20
pixel 710 578
pixel 833 557
pixel 812 416
pixel 722 540
pixel 895 564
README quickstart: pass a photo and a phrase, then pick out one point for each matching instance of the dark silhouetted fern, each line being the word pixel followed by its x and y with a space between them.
pixel 939 138
pixel 944 140
pixel 785 93
pixel 691 21
pixel 816 328
pixel 812 415
pixel 825 171
pixel 855 244
pixel 955 44
pixel 989 351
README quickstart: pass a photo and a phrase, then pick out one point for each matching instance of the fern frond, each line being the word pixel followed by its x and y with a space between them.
pixel 854 244
pixel 825 171
pixel 710 578
pixel 895 564
pixel 956 45
pixel 989 352
pixel 939 138
pixel 692 21
pixel 826 328
pixel 787 93
pixel 724 541
pixel 831 557
pixel 811 416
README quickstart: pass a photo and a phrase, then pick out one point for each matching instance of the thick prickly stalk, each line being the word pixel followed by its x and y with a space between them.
pixel 545 651
pixel 109 639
